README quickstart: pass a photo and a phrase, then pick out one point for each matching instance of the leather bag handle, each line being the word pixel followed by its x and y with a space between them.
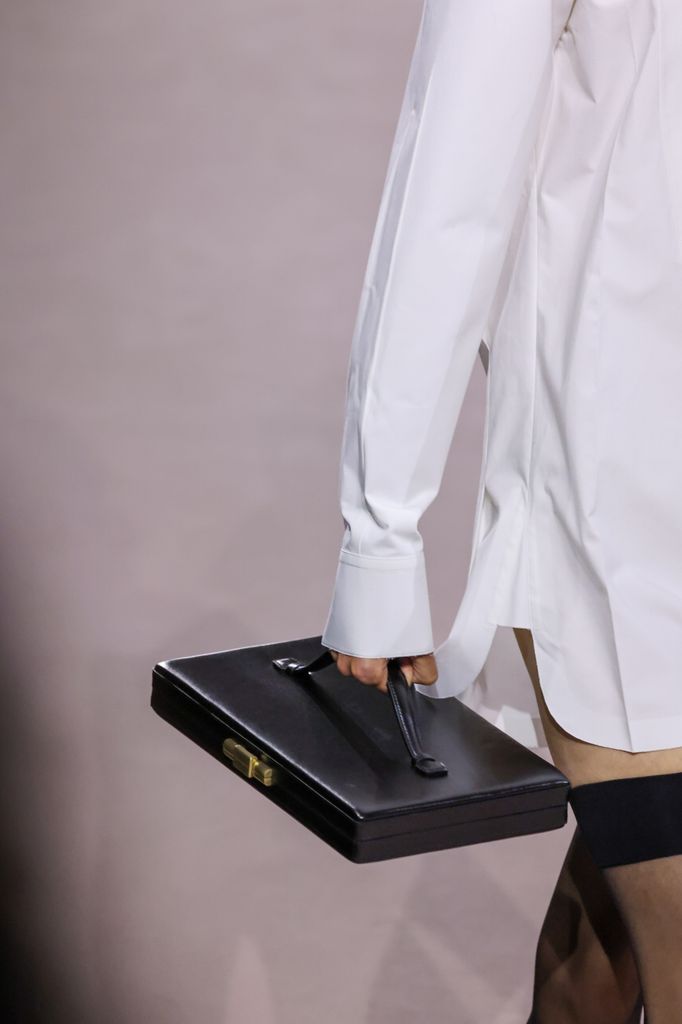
pixel 403 699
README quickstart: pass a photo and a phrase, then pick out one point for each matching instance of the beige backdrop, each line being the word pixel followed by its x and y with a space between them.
pixel 188 192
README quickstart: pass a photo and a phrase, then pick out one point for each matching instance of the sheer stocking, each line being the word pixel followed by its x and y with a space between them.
pixel 585 970
pixel 649 895
pixel 647 891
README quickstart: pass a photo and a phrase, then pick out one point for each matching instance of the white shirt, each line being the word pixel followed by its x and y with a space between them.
pixel 532 211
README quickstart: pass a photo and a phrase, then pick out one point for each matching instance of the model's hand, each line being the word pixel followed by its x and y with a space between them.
pixel 373 671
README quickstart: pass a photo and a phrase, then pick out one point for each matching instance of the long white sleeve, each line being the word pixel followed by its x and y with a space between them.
pixel 477 86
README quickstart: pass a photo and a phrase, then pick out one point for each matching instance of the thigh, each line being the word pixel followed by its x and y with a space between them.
pixel 581 761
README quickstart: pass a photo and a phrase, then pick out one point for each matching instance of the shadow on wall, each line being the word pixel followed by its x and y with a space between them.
pixel 34 986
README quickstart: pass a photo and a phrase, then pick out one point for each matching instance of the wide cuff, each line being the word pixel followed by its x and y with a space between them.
pixel 380 607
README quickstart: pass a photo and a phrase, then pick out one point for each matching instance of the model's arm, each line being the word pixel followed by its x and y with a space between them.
pixel 476 90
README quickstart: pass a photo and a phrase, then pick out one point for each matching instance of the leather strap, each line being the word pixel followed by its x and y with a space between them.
pixel 403 699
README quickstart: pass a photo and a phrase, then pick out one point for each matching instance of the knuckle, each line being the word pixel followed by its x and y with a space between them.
pixel 365 675
pixel 343 664
pixel 368 671
pixel 428 673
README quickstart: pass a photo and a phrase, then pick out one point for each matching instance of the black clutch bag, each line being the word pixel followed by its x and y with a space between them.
pixel 374 775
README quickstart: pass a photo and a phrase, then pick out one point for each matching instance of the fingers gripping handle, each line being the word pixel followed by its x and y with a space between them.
pixel 403 699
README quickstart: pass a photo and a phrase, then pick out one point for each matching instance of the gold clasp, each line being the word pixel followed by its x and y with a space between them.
pixel 247 763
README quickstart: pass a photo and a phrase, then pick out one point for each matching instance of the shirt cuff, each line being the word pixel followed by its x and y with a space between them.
pixel 380 607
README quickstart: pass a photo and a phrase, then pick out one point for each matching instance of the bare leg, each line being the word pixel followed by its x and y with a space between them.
pixel 586 762
pixel 585 967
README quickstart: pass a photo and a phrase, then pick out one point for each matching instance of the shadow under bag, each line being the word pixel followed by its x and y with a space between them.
pixel 375 775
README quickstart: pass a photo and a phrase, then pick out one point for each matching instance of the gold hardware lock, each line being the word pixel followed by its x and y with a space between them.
pixel 247 763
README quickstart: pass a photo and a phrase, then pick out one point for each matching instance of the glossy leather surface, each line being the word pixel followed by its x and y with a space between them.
pixel 403 699
pixel 341 762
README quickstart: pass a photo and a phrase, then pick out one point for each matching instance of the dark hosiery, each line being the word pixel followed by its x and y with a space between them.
pixel 585 970
pixel 628 806
pixel 633 829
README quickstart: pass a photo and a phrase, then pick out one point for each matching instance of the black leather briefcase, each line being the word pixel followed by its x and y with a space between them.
pixel 375 775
